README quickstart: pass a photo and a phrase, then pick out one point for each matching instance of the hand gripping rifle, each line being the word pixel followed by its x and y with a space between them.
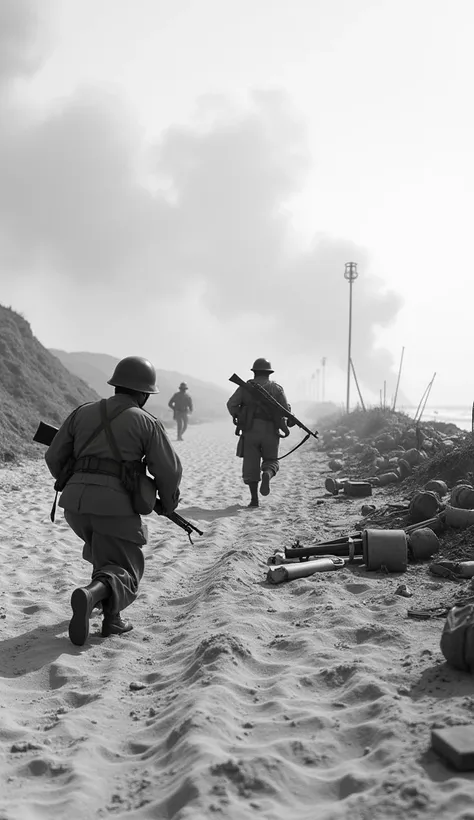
pixel 45 434
pixel 264 397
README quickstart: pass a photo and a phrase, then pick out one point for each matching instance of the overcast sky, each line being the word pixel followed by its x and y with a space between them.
pixel 185 180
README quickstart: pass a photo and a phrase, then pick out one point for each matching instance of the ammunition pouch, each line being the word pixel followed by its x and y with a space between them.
pixel 132 474
pixel 141 488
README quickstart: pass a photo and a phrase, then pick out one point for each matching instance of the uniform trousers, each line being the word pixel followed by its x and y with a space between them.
pixel 260 450
pixel 113 545
pixel 181 417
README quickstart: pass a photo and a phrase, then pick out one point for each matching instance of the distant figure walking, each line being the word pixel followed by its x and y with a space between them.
pixel 94 449
pixel 259 425
pixel 181 404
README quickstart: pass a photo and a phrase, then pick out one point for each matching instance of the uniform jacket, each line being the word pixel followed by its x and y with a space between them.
pixel 181 402
pixel 138 434
pixel 244 407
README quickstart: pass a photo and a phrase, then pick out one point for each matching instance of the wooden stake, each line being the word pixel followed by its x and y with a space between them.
pixel 398 380
pixel 427 391
pixel 357 385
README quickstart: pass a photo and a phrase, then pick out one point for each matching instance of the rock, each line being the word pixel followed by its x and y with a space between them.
pixel 366 509
pixel 404 591
pixel 136 685
pixel 335 465
pixel 414 457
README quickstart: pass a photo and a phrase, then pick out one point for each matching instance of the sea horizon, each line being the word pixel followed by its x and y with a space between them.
pixel 458 414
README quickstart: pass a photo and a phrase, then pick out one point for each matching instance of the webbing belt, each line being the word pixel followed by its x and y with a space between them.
pixel 106 466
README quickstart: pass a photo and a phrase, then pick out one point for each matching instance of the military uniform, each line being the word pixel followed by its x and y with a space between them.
pixel 259 427
pixel 181 404
pixel 97 506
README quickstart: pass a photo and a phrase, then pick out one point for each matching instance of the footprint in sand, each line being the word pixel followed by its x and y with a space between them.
pixel 357 589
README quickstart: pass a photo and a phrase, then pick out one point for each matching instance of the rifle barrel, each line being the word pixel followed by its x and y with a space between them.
pixel 271 400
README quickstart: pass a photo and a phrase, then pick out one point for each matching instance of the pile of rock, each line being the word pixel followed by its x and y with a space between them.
pixel 389 454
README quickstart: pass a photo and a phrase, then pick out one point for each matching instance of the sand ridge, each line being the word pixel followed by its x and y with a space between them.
pixel 230 698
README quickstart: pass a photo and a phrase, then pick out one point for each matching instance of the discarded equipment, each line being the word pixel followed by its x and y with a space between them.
pixel 462 496
pixel 456 745
pixel 423 543
pixel 423 505
pixel 333 485
pixel 378 548
pixel 388 478
pixel 357 489
pixel 437 486
pixel 385 549
pixel 353 489
pixel 453 569
pixel 457 517
pixel 457 640
pixel 288 572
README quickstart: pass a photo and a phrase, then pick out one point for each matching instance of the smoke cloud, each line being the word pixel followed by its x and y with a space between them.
pixel 205 207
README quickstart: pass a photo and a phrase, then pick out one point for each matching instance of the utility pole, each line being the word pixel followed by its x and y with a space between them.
pixel 351 275
pixel 323 364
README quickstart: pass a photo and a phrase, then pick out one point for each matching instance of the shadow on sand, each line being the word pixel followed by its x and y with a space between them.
pixel 33 650
pixel 201 514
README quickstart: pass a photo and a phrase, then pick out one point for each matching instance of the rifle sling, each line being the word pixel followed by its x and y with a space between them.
pixel 295 448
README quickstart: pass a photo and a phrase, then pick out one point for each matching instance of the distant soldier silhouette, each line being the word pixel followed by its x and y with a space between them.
pixel 84 456
pixel 260 426
pixel 181 404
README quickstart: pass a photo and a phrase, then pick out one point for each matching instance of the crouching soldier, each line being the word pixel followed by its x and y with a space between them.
pixel 87 457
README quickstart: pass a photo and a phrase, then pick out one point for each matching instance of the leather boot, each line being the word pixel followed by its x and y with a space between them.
pixel 265 485
pixel 113 625
pixel 83 601
pixel 253 487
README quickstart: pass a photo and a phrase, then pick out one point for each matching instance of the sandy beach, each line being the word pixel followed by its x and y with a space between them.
pixel 232 698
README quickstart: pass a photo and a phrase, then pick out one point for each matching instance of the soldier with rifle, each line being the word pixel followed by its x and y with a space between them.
pixel 258 423
pixel 97 458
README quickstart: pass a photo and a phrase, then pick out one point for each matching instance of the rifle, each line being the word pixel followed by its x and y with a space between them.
pixel 264 396
pixel 45 434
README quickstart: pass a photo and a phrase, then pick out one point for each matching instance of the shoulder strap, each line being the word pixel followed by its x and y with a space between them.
pixel 91 438
pixel 108 430
pixel 100 426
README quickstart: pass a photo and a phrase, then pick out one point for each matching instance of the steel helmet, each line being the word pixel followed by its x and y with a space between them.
pixel 135 373
pixel 183 385
pixel 263 365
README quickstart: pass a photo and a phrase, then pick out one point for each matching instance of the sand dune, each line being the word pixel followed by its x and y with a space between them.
pixel 230 698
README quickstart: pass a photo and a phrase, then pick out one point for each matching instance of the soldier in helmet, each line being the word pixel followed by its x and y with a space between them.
pixel 260 430
pixel 181 404
pixel 96 504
